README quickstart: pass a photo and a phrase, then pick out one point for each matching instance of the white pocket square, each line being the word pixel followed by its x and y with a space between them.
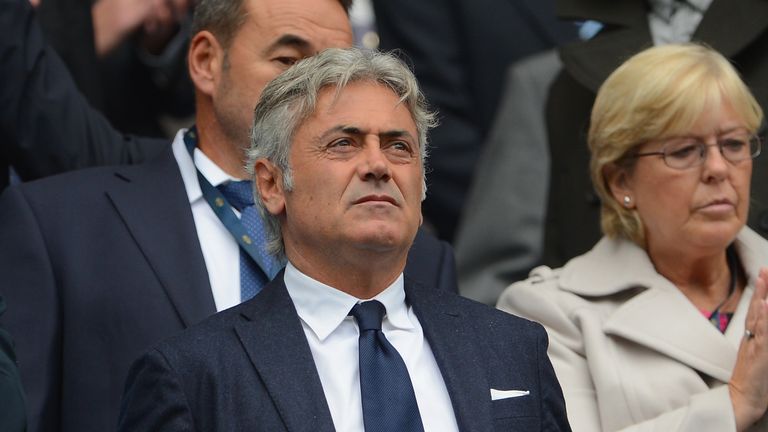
pixel 506 394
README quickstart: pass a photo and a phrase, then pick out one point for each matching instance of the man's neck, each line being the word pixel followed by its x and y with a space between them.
pixel 221 150
pixel 359 279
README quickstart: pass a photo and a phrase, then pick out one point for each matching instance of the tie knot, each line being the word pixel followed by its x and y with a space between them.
pixel 238 193
pixel 368 315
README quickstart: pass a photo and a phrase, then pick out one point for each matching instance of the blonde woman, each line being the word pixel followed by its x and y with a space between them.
pixel 663 325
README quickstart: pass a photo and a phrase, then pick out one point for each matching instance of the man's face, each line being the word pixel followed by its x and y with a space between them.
pixel 275 35
pixel 357 177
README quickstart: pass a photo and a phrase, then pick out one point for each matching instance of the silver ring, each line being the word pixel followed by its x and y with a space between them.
pixel 748 334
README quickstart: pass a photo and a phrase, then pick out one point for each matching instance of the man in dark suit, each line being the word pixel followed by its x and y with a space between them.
pixel 338 155
pixel 460 51
pixel 97 265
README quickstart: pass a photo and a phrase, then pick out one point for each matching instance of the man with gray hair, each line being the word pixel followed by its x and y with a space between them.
pixel 100 264
pixel 341 340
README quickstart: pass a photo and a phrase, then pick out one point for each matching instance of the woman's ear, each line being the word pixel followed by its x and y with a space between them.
pixel 206 59
pixel 619 183
pixel 269 184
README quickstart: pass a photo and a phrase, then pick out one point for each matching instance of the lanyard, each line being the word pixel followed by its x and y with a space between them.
pixel 223 210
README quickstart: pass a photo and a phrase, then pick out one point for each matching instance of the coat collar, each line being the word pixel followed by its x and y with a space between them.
pixel 151 201
pixel 590 62
pixel 657 314
pixel 273 338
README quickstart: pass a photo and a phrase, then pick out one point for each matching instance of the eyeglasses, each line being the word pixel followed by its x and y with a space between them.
pixel 689 152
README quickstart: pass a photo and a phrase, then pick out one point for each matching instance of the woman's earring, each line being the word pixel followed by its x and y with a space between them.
pixel 627 200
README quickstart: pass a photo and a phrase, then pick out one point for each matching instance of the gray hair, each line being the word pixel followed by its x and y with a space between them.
pixel 292 97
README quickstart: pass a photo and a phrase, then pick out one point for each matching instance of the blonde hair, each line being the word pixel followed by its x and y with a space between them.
pixel 659 92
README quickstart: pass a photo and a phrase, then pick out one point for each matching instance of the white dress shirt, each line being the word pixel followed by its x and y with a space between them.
pixel 220 250
pixel 333 340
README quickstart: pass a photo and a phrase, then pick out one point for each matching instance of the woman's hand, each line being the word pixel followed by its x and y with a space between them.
pixel 749 383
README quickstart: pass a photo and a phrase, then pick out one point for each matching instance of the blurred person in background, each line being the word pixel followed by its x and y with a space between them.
pixel 127 57
pixel 460 50
pixel 663 325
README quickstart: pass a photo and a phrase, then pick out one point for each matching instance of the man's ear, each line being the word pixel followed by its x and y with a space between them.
pixel 269 184
pixel 206 59
pixel 619 184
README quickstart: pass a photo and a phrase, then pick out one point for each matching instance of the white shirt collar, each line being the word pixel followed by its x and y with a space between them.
pixel 323 308
pixel 207 167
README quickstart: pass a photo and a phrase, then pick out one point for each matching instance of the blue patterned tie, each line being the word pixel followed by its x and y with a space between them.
pixel 252 278
pixel 389 403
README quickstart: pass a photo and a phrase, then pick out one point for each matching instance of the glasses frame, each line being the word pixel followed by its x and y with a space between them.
pixel 719 144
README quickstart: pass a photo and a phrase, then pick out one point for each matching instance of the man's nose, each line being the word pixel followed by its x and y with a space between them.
pixel 374 164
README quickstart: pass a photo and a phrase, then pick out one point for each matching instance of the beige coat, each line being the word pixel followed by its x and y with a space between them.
pixel 630 351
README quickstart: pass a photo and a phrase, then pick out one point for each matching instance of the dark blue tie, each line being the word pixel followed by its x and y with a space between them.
pixel 389 403
pixel 252 278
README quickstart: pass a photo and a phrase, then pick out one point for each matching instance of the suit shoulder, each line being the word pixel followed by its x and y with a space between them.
pixel 490 319
pixel 201 343
pixel 86 181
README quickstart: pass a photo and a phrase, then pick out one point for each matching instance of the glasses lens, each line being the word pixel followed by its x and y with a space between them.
pixel 736 148
pixel 683 152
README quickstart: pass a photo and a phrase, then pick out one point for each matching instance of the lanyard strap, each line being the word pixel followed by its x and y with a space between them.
pixel 223 210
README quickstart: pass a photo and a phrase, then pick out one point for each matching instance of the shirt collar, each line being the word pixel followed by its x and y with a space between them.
pixel 323 308
pixel 215 175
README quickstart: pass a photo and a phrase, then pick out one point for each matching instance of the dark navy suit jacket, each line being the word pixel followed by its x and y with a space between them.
pixel 250 368
pixel 100 264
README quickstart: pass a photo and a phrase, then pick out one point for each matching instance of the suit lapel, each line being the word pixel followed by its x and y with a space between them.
pixel 453 343
pixel 275 342
pixel 152 202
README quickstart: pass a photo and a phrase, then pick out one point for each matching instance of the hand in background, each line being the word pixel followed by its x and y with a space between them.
pixel 114 20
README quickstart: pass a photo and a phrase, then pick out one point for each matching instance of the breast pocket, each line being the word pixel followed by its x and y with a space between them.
pixel 515 414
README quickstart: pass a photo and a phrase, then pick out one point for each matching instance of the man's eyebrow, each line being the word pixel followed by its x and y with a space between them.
pixel 397 133
pixel 289 40
pixel 354 130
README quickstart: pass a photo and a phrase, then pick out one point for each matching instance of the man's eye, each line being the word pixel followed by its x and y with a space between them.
pixel 341 142
pixel 400 146
pixel 287 61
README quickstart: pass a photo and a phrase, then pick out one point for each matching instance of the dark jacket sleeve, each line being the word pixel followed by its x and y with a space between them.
pixel 28 279
pixel 12 412
pixel 154 399
pixel 46 124
pixel 554 415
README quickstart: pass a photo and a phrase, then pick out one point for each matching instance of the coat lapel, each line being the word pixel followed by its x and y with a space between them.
pixel 666 322
pixel 275 342
pixel 152 202
pixel 660 317
pixel 454 344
